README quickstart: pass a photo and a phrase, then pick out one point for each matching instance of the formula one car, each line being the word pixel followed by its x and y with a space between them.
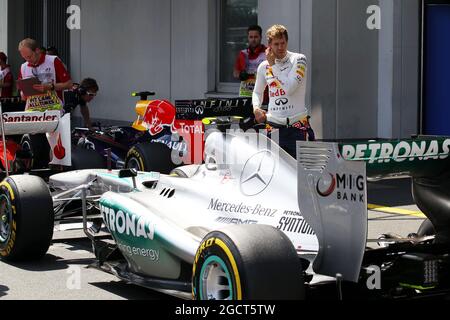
pixel 164 136
pixel 249 223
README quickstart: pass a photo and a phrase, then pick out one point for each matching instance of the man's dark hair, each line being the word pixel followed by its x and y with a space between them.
pixel 53 51
pixel 89 84
pixel 255 28
pixel 3 57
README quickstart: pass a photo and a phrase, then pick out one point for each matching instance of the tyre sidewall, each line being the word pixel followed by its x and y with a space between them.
pixel 39 143
pixel 135 155
pixel 218 244
pixel 151 156
pixel 32 223
pixel 7 189
pixel 266 265
pixel 426 229
pixel 86 159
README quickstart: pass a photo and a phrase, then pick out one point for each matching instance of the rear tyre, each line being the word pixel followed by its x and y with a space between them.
pixel 86 159
pixel 39 149
pixel 426 229
pixel 156 157
pixel 26 218
pixel 252 262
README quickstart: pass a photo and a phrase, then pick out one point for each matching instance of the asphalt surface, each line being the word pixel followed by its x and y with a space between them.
pixel 64 273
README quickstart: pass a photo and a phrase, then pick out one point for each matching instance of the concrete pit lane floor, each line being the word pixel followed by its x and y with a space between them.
pixel 64 274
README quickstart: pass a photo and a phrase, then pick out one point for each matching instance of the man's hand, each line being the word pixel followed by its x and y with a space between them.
pixel 270 56
pixel 244 76
pixel 260 115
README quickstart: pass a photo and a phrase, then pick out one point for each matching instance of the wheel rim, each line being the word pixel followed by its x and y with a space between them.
pixel 215 280
pixel 5 218
pixel 133 163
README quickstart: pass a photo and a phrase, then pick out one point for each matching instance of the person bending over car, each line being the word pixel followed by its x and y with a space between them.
pixel 80 95
pixel 284 72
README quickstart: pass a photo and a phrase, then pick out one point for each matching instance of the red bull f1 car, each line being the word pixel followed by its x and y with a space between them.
pixel 164 136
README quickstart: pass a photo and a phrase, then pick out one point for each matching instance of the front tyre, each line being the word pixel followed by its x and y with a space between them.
pixel 251 262
pixel 26 218
pixel 426 229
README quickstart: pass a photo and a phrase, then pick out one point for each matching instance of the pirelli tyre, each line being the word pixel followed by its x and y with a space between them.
pixel 38 148
pixel 247 262
pixel 426 229
pixel 26 218
pixel 83 158
pixel 156 157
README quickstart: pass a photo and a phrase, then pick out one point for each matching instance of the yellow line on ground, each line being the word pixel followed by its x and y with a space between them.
pixel 385 209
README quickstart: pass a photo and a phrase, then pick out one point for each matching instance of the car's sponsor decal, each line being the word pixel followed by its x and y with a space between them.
pixel 295 225
pixel 30 118
pixel 173 145
pixel 121 222
pixel 292 213
pixel 230 220
pixel 240 208
pixel 345 186
pixel 151 254
pixel 387 152
pixel 208 107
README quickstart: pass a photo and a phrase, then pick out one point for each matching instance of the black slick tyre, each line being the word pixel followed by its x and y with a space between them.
pixel 248 262
pixel 86 159
pixel 426 229
pixel 39 149
pixel 156 157
pixel 26 218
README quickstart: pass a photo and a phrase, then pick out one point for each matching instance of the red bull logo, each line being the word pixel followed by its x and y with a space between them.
pixel 275 85
pixel 277 93
pixel 160 114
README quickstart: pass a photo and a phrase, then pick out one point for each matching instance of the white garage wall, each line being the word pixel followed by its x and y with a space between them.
pixel 4 25
pixel 125 45
pixel 285 12
pixel 155 45
pixel 190 31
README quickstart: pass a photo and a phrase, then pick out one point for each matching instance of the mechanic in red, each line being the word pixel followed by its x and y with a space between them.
pixel 50 70
pixel 6 77
pixel 248 60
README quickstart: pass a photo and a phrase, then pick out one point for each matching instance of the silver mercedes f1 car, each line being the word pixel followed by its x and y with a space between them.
pixel 249 223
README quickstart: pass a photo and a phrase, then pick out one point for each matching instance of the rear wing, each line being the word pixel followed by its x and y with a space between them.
pixel 52 123
pixel 332 190
pixel 213 107
pixel 332 197
pixel 16 123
